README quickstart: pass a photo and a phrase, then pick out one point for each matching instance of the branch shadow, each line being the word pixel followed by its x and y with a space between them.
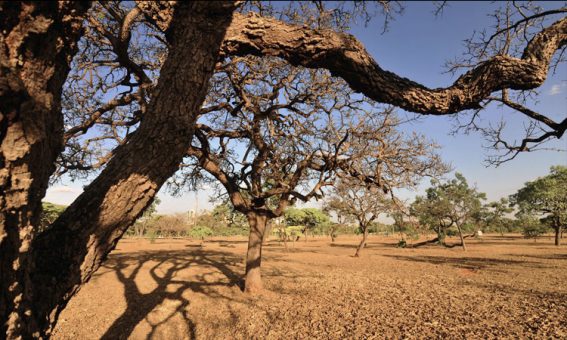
pixel 548 257
pixel 471 263
pixel 165 269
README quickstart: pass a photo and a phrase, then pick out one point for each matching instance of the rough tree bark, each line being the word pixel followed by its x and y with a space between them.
pixel 362 243
pixel 253 277
pixel 558 235
pixel 66 255
pixel 37 43
pixel 346 57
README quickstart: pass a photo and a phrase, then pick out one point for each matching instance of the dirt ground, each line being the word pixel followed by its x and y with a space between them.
pixel 502 287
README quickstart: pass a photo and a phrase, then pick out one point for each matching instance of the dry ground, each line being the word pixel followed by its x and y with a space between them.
pixel 502 287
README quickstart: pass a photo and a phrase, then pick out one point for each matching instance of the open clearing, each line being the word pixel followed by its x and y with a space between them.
pixel 175 289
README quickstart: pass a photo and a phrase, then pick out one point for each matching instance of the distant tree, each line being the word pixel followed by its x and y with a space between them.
pixel 452 203
pixel 175 225
pixel 494 214
pixel 363 202
pixel 308 218
pixel 200 232
pixel 140 227
pixel 546 197
pixel 407 226
pixel 531 226
pixel 49 213
pixel 232 221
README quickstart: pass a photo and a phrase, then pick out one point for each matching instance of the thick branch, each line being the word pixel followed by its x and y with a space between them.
pixel 346 57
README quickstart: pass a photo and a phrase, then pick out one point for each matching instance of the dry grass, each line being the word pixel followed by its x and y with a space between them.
pixel 174 289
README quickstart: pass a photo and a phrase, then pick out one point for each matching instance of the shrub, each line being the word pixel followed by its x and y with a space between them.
pixel 533 231
pixel 200 232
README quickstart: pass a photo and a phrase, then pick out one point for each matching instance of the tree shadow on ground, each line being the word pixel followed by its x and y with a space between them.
pixel 546 257
pixel 170 284
pixel 369 245
pixel 471 263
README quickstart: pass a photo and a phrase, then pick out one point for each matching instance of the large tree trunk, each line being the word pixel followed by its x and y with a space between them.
pixel 462 238
pixel 362 243
pixel 37 43
pixel 73 248
pixel 253 280
pixel 558 235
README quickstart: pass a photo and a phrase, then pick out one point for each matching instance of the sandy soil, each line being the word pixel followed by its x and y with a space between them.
pixel 502 287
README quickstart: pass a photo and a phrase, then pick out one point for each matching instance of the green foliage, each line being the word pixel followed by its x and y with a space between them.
pixel 200 232
pixel 152 235
pixel 545 197
pixel 309 218
pixel 225 215
pixel 452 232
pixel 452 203
pixel 493 216
pixel 533 231
pixel 49 213
pixel 289 233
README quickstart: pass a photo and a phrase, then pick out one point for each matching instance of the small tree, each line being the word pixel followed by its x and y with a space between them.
pixel 495 212
pixel 452 203
pixel 140 227
pixel 200 232
pixel 531 226
pixel 309 218
pixel 546 197
pixel 227 215
pixel 362 202
pixel 49 213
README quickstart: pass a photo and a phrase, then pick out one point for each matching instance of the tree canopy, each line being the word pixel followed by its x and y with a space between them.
pixel 547 198
pixel 447 204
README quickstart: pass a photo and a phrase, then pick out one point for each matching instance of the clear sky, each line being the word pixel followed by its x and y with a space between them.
pixel 416 46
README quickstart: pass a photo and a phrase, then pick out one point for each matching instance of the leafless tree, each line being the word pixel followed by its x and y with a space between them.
pixel 271 134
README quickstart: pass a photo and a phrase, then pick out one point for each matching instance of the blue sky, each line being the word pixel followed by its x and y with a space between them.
pixel 416 46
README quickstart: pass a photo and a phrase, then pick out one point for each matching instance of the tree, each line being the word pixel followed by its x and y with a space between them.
pixel 49 213
pixel 57 262
pixel 38 41
pixel 448 204
pixel 232 219
pixel 309 218
pixel 271 135
pixel 495 213
pixel 200 232
pixel 532 227
pixel 362 202
pixel 140 227
pixel 547 197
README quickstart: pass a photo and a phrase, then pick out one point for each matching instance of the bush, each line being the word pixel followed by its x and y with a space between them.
pixel 49 213
pixel 533 231
pixel 200 232
pixel 290 233
pixel 452 232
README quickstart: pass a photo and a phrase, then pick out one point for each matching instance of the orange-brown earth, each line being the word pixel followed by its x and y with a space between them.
pixel 175 289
